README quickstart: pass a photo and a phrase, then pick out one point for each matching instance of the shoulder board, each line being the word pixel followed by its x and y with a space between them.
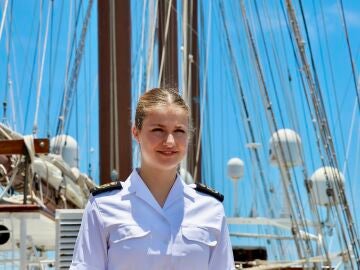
pixel 106 187
pixel 209 191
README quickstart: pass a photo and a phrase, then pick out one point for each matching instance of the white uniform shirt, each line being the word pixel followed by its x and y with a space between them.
pixel 127 229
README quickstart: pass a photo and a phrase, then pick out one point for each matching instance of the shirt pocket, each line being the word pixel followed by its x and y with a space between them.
pixel 126 243
pixel 194 247
pixel 203 235
pixel 127 232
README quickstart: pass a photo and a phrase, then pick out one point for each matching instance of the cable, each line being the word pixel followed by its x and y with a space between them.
pixel 165 42
pixel 353 68
pixel 3 18
pixel 39 85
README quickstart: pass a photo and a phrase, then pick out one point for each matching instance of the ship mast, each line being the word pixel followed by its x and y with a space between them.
pixel 168 73
pixel 192 58
pixel 114 30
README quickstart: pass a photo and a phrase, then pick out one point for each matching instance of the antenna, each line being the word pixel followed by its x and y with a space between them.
pixel 323 183
pixel 253 148
pixel 285 153
pixel 235 168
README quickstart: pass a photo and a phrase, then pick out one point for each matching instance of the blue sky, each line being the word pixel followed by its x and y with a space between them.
pixel 25 61
pixel 223 71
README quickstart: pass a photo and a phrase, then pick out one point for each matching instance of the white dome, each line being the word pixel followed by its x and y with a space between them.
pixel 186 176
pixel 235 168
pixel 285 148
pixel 67 147
pixel 321 180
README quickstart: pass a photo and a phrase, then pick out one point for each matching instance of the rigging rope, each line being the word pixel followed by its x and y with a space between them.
pixel 324 132
pixel 353 69
pixel 204 95
pixel 31 79
pixel 273 128
pixel 185 50
pixel 165 42
pixel 332 77
pixel 294 119
pixel 304 170
pixel 114 112
pixel 61 120
pixel 72 82
pixel 152 43
pixel 314 210
pixel 7 80
pixel 50 73
pixel 39 85
pixel 142 41
pixel 349 140
pixel 245 111
pixel 329 146
pixel 3 18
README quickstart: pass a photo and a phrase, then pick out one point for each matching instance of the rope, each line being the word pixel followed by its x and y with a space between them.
pixel 204 95
pixel 185 52
pixel 50 78
pixel 3 18
pixel 142 39
pixel 151 49
pixel 165 41
pixel 72 82
pixel 349 140
pixel 12 178
pixel 38 95
pixel 31 80
pixel 353 69
pixel 8 51
pixel 60 127
pixel 114 111
pixel 324 132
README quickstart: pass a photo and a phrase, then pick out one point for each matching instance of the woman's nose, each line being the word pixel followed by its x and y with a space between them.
pixel 170 141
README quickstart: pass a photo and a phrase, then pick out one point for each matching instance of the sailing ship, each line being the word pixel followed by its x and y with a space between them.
pixel 42 190
pixel 273 87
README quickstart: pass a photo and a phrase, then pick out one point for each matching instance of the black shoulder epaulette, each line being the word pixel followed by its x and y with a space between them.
pixel 106 187
pixel 212 192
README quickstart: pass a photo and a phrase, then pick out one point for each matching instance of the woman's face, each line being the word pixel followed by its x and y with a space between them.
pixel 163 137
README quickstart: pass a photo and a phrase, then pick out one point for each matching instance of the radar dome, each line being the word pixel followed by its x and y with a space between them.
pixel 321 189
pixel 235 168
pixel 67 147
pixel 285 148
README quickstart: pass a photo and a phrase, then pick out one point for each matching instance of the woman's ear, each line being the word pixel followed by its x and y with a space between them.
pixel 135 133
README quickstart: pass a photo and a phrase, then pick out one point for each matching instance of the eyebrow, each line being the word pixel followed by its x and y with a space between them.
pixel 160 125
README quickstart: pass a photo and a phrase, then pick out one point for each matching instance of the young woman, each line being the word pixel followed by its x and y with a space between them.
pixel 153 220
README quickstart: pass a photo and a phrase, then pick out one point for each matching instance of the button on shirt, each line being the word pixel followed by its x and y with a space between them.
pixel 127 229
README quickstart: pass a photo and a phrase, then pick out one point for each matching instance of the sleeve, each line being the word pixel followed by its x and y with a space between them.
pixel 90 250
pixel 222 255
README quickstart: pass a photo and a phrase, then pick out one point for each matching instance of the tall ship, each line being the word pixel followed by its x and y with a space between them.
pixel 274 91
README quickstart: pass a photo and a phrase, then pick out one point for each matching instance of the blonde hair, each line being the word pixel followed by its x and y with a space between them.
pixel 156 97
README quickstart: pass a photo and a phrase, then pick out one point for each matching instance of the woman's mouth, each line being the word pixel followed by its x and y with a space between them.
pixel 167 153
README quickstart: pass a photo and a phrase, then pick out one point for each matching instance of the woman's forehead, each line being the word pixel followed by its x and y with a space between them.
pixel 166 108
pixel 166 113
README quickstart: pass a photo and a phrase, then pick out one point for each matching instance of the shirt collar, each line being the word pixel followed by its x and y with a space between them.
pixel 176 192
pixel 137 186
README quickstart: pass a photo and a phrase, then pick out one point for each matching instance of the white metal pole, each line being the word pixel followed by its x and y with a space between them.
pixel 23 258
pixel 285 213
pixel 236 205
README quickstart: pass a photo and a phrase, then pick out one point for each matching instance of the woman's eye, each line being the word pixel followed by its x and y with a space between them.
pixel 156 130
pixel 180 131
